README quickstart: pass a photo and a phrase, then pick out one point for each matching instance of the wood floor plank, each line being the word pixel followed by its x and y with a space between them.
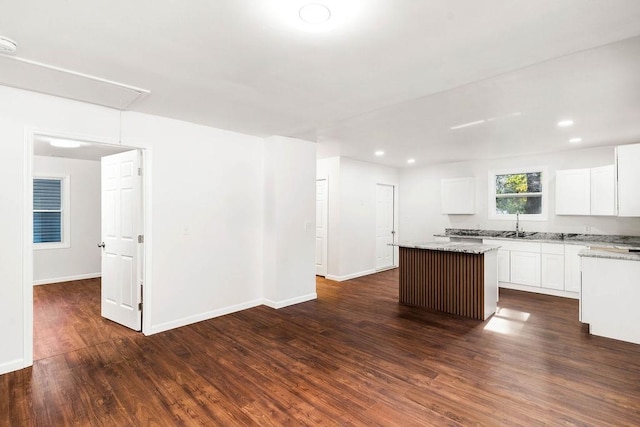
pixel 353 357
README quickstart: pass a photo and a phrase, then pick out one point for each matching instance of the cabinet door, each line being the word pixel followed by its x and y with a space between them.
pixel 504 266
pixel 603 190
pixel 525 268
pixel 572 274
pixel 458 196
pixel 573 192
pixel 552 271
pixel 627 161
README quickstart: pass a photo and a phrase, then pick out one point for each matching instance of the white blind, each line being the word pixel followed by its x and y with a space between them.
pixel 47 210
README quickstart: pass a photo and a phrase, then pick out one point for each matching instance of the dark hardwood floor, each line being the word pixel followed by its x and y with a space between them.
pixel 66 317
pixel 352 357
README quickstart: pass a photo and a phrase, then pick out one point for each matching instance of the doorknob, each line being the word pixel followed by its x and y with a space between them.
pixel 101 245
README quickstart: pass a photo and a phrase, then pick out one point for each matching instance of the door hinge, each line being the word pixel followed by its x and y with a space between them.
pixel 139 306
pixel 140 238
pixel 139 171
pixel 141 297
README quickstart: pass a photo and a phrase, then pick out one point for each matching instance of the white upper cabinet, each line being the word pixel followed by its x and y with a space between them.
pixel 573 192
pixel 628 165
pixel 586 191
pixel 458 196
pixel 603 190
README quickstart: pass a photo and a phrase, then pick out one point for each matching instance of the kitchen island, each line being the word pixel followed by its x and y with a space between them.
pixel 454 278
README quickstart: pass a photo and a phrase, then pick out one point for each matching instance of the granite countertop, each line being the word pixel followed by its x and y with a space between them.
pixel 601 240
pixel 467 248
pixel 598 253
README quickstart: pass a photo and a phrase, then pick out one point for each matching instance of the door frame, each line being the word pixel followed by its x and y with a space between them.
pixel 27 229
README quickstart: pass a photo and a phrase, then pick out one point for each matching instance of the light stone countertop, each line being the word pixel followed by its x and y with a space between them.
pixel 593 243
pixel 599 253
pixel 463 247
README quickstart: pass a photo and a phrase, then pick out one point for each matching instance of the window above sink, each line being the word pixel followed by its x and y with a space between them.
pixel 521 192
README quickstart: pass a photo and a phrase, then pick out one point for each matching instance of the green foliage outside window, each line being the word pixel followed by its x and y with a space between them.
pixel 519 193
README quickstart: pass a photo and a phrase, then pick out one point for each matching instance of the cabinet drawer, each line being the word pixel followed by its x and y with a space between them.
pixel 552 248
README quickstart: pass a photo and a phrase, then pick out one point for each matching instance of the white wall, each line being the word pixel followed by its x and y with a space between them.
pixel 420 216
pixel 82 258
pixel 352 214
pixel 289 221
pixel 207 213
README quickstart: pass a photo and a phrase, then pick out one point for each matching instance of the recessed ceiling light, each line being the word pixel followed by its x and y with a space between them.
pixel 565 123
pixel 575 140
pixel 7 45
pixel 315 13
pixel 379 153
pixel 64 143
pixel 411 161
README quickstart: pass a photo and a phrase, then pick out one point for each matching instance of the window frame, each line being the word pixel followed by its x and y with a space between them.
pixel 65 213
pixel 544 182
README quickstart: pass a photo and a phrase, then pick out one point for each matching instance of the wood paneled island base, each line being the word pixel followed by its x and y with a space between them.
pixel 458 279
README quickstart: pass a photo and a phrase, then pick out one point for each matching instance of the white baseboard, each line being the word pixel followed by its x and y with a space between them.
pixel 66 279
pixel 203 316
pixel 13 365
pixel 350 276
pixel 291 301
pixel 538 290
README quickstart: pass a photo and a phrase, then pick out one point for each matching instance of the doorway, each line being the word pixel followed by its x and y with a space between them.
pixel 322 213
pixel 385 229
pixel 90 149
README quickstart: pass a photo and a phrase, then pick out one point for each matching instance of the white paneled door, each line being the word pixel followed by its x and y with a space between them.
pixel 121 226
pixel 385 231
pixel 322 203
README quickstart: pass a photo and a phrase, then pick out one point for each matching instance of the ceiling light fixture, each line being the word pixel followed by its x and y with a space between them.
pixel 465 125
pixel 314 13
pixel 411 161
pixel 565 123
pixel 379 153
pixel 575 140
pixel 7 45
pixel 64 143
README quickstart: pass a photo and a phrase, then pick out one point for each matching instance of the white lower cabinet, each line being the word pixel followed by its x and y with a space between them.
pixel 525 268
pixel 504 266
pixel 572 274
pixel 551 268
pixel 552 271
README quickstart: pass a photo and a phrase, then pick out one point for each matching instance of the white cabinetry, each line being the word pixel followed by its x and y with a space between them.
pixel 628 167
pixel 573 192
pixel 552 266
pixel 504 266
pixel 572 275
pixel 603 190
pixel 610 298
pixel 525 268
pixel 458 196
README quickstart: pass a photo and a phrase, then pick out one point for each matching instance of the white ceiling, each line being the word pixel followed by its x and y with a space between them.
pixel 394 75
pixel 86 150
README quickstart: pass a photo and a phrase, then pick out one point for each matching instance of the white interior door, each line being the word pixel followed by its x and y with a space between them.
pixel 384 226
pixel 121 225
pixel 322 204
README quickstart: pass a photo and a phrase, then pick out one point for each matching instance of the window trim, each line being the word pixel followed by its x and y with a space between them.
pixel 544 181
pixel 65 185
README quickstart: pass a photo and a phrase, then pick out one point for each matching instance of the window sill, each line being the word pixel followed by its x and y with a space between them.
pixel 41 246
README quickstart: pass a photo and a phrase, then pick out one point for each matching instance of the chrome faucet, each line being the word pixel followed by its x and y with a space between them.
pixel 518 224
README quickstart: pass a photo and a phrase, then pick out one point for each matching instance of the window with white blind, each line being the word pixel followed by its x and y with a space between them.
pixel 50 213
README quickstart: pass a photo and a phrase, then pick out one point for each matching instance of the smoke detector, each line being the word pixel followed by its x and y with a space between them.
pixel 7 45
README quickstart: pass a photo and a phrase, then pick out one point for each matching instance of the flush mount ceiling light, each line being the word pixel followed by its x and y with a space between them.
pixel 575 140
pixel 411 161
pixel 565 123
pixel 64 143
pixel 7 45
pixel 314 13
pixel 379 153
